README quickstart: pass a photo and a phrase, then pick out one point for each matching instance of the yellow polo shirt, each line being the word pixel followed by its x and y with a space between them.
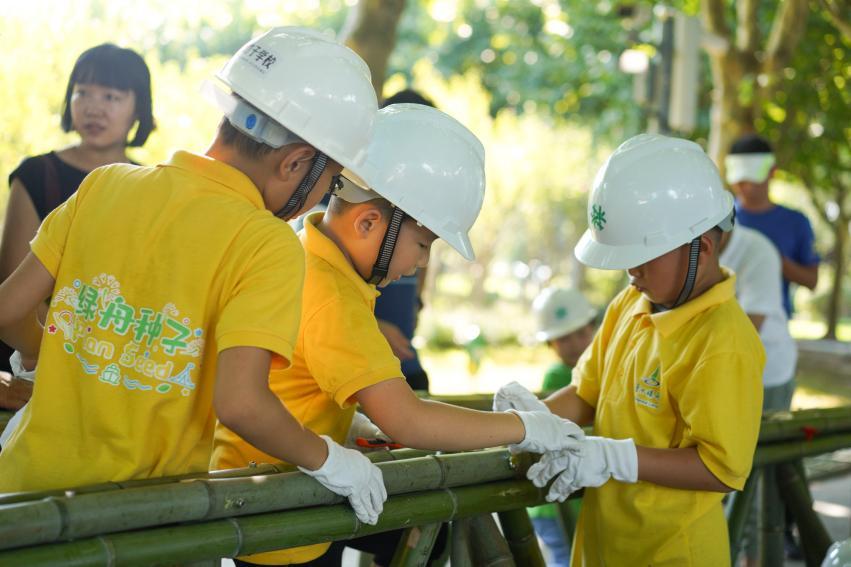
pixel 339 351
pixel 157 270
pixel 688 377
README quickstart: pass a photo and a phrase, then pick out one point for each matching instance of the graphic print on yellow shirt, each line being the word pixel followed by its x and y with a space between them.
pixel 157 270
pixel 95 322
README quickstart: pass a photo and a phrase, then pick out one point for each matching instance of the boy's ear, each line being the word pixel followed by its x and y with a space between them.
pixel 295 161
pixel 710 243
pixel 367 220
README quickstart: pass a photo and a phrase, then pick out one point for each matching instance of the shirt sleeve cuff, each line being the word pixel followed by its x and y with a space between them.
pixel 721 472
pixel 344 394
pixel 257 339
pixel 49 257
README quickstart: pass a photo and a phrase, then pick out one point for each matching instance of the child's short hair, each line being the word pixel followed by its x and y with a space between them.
pixel 750 144
pixel 338 206
pixel 243 144
pixel 119 68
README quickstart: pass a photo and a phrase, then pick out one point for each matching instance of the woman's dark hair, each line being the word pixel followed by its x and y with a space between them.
pixel 119 68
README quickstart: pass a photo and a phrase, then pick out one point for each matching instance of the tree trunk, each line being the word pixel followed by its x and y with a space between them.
pixel 370 30
pixel 840 235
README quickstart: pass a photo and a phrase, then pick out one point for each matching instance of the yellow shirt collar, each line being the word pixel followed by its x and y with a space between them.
pixel 667 322
pixel 218 172
pixel 317 244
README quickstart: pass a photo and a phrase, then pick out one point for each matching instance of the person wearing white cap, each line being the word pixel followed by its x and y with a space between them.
pixel 672 380
pixel 430 184
pixel 172 287
pixel 750 166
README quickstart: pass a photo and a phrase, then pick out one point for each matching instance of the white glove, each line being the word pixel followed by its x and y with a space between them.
pixel 362 427
pixel 348 473
pixel 515 396
pixel 596 461
pixel 546 432
pixel 18 370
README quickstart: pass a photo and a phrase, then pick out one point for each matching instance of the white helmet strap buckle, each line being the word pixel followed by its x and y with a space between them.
pixel 247 119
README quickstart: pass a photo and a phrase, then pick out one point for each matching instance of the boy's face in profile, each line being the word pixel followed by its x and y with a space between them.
pixel 412 251
pixel 570 347
pixel 661 279
pixel 749 191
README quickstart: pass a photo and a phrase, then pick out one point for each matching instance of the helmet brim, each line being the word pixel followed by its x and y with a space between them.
pixel 607 257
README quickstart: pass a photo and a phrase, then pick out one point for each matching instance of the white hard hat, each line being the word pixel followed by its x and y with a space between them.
pixel 313 86
pixel 838 555
pixel 748 167
pixel 428 165
pixel 561 311
pixel 653 194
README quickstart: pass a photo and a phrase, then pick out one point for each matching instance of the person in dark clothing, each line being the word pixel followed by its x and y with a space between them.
pixel 108 94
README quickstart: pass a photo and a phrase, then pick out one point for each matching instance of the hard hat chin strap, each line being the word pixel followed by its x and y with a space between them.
pixel 388 245
pixel 691 276
pixel 299 196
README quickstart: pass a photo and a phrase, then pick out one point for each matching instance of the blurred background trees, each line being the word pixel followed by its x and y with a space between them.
pixel 538 81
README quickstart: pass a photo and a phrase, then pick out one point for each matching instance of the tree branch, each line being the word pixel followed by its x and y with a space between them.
pixel 788 28
pixel 713 18
pixel 835 15
pixel 747 31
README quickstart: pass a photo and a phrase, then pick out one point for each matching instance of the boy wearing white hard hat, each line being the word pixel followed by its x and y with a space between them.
pixel 672 381
pixel 430 185
pixel 565 322
pixel 173 286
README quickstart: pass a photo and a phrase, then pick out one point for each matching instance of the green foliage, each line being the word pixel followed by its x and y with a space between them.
pixel 550 58
pixel 812 134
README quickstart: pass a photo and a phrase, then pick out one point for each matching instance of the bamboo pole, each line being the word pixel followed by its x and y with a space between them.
pixel 774 453
pixel 231 537
pixel 460 554
pixel 803 424
pixel 415 545
pixel 814 537
pixel 521 537
pixel 740 511
pixel 77 516
pixel 252 470
pixel 489 547
pixel 771 547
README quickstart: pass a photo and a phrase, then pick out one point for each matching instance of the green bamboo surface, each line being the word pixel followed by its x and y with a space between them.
pixel 521 538
pixel 740 510
pixel 250 471
pixel 264 532
pixel 415 546
pixel 80 515
pixel 773 453
pixel 798 425
pixel 5 416
pixel 254 498
pixel 796 494
pixel 773 520
pixel 487 544
pixel 460 554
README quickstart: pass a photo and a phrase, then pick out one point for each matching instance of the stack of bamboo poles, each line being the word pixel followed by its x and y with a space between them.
pixel 244 511
pixel 247 511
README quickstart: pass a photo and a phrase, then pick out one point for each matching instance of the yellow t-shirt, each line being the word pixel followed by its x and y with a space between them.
pixel 688 377
pixel 157 270
pixel 339 351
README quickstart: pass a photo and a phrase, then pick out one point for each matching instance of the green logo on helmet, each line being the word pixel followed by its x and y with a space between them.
pixel 598 217
pixel 561 313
